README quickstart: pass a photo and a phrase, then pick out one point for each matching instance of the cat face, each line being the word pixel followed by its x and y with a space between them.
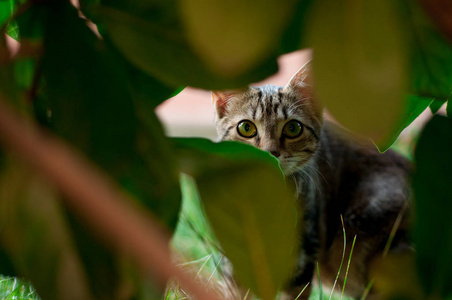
pixel 283 121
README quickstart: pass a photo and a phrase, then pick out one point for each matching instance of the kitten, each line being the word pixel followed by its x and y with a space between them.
pixel 335 174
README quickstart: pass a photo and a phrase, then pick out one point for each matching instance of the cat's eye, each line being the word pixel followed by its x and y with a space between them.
pixel 247 129
pixel 292 129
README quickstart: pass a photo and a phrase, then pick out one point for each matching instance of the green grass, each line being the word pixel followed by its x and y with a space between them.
pixel 15 289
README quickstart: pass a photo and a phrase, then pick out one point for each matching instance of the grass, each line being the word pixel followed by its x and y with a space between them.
pixel 15 289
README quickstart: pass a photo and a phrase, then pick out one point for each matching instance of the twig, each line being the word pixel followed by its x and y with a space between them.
pixel 95 199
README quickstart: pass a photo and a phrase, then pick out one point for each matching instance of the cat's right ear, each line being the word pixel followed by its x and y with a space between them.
pixel 220 100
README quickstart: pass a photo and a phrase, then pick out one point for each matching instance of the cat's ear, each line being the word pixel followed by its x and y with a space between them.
pixel 220 99
pixel 301 82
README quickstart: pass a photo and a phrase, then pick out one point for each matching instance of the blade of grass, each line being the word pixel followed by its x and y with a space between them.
pixel 342 259
pixel 394 229
pixel 320 283
pixel 246 295
pixel 203 265
pixel 367 290
pixel 302 290
pixel 213 272
pixel 348 266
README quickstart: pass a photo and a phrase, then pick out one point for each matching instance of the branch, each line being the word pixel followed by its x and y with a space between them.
pixel 95 200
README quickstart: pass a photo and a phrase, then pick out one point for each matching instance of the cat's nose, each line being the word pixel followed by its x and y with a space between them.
pixel 275 153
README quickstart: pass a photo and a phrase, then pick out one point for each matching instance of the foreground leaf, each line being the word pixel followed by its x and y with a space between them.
pixel 413 107
pixel 432 56
pixel 221 31
pixel 36 235
pixel 251 210
pixel 395 277
pixel 165 54
pixel 433 199
pixel 360 68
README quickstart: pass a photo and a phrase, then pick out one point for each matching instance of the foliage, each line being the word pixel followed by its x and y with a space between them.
pixel 377 66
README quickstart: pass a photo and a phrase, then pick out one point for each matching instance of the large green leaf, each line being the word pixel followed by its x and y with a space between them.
pixel 5 11
pixel 239 22
pixel 163 52
pixel 251 210
pixel 294 38
pixel 433 204
pixel 360 61
pixel 432 56
pixel 91 104
pixel 411 110
pixel 36 236
pixel 92 107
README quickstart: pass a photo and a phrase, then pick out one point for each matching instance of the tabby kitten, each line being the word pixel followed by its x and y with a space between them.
pixel 335 174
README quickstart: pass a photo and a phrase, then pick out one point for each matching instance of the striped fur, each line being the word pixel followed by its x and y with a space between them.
pixel 334 174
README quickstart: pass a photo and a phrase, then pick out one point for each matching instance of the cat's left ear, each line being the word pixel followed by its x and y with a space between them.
pixel 220 100
pixel 301 82
pixel 302 85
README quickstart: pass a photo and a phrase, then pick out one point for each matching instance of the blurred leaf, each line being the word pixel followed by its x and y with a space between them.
pixel 294 36
pixel 164 53
pixel 91 84
pixel 411 110
pixel 36 236
pixel 197 155
pixel 6 264
pixel 5 10
pixel 251 211
pixel 449 110
pixel 93 108
pixel 221 31
pixel 30 23
pixel 149 90
pixel 433 199
pixel 432 56
pixel 436 105
pixel 360 63
pixel 395 277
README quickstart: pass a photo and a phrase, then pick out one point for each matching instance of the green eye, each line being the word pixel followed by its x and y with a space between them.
pixel 293 129
pixel 247 129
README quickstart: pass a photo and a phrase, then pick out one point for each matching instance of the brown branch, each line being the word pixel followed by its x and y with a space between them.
pixel 440 13
pixel 96 200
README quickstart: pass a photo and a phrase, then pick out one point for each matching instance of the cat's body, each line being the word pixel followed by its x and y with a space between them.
pixel 334 173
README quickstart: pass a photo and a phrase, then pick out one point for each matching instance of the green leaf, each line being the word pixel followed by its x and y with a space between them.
pixel 411 110
pixel 35 235
pixel 294 36
pixel 231 53
pixel 110 128
pixel 5 11
pixel 433 204
pixel 395 277
pixel 360 63
pixel 164 53
pixel 195 155
pixel 432 56
pixel 436 105
pixel 87 91
pixel 449 110
pixel 250 208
